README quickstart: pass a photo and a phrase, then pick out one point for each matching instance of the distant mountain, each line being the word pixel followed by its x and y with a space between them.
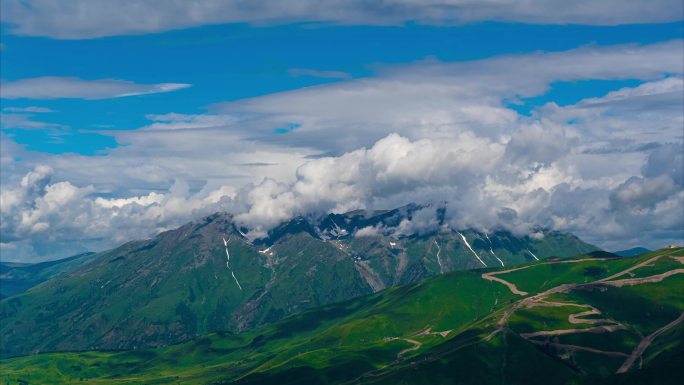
pixel 632 252
pixel 16 278
pixel 177 286
pixel 586 320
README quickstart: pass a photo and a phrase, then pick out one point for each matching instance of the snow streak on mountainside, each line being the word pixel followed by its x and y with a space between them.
pixel 492 251
pixel 225 244
pixel 532 254
pixel 471 249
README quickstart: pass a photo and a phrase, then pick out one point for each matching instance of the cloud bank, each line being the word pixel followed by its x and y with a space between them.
pixel 608 168
pixel 80 19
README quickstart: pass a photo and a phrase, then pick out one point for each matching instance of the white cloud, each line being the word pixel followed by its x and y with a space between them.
pixel 53 87
pixel 56 219
pixel 96 18
pixel 426 132
pixel 144 200
pixel 369 231
pixel 436 99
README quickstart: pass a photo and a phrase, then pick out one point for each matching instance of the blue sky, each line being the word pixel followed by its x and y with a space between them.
pixel 236 61
pixel 122 119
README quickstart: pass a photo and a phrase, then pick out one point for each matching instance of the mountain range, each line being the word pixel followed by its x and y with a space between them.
pixel 19 277
pixel 207 276
pixel 589 319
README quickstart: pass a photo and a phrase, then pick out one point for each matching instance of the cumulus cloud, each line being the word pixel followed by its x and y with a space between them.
pixel 54 87
pixel 369 231
pixel 392 170
pixel 608 168
pixel 42 217
pixel 422 221
pixel 89 19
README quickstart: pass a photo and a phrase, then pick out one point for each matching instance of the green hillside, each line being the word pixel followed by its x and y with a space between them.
pixel 177 286
pixel 583 320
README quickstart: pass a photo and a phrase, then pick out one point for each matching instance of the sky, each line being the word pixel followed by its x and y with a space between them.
pixel 121 119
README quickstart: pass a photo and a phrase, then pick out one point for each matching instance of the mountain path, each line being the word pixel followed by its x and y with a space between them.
pixel 629 270
pixel 576 318
pixel 644 344
pixel 511 286
pixel 514 289
pixel 560 332
pixel 649 279
pixel 577 347
pixel 416 345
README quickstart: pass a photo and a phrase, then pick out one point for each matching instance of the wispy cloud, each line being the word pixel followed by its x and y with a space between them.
pixel 31 110
pixel 80 19
pixel 25 121
pixel 319 73
pixel 53 87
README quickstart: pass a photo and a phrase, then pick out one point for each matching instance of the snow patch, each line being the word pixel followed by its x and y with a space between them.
pixel 236 280
pixel 225 244
pixel 471 249
pixel 532 254
pixel 497 258
pixel 491 250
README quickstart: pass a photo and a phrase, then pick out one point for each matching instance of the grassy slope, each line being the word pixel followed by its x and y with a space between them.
pixel 352 341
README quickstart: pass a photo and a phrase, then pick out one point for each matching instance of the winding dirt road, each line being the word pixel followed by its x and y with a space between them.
pixel 511 286
pixel 416 345
pixel 649 279
pixel 595 329
pixel 645 342
pixel 631 269
pixel 540 300
pixel 577 347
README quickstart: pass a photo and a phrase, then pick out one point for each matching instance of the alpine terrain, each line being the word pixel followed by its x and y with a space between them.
pixel 207 277
pixel 588 319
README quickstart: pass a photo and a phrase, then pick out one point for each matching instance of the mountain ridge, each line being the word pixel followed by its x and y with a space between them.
pixel 176 286
pixel 19 277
